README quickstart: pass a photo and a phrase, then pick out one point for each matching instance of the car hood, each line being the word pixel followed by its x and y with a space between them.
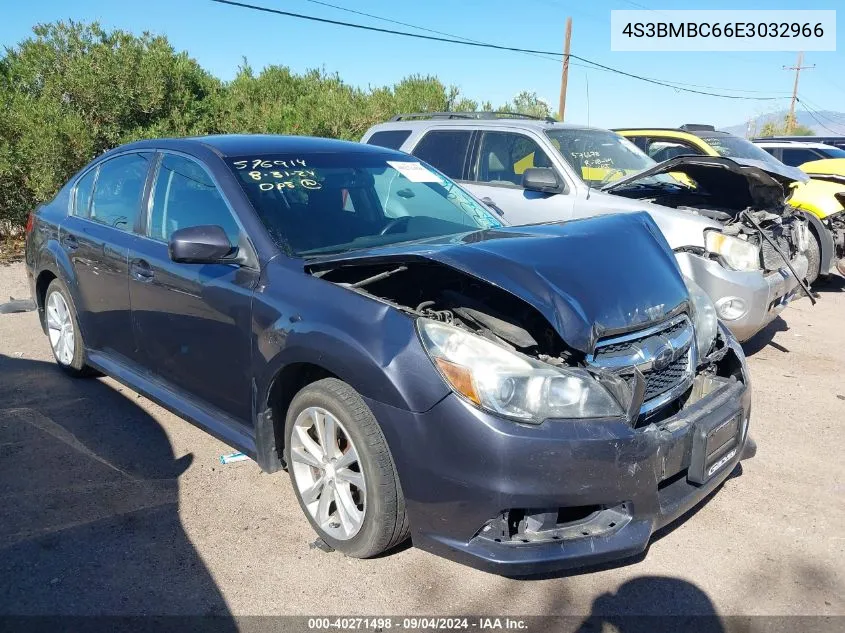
pixel 826 169
pixel 588 278
pixel 717 173
pixel 756 171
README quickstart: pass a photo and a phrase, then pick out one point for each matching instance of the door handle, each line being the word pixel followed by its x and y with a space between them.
pixel 70 242
pixel 141 270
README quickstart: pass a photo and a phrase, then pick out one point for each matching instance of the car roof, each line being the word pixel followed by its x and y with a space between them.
pixel 674 131
pixel 798 144
pixel 225 145
pixel 418 124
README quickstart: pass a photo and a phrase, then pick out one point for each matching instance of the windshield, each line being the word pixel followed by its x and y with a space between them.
pixel 833 152
pixel 732 146
pixel 601 156
pixel 315 204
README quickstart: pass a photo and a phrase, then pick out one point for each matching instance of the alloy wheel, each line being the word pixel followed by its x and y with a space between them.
pixel 328 473
pixel 60 328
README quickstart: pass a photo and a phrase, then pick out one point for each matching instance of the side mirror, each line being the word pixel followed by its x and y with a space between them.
pixel 542 179
pixel 205 244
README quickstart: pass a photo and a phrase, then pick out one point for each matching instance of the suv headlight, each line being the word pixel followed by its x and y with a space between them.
pixel 509 383
pixel 736 253
pixel 704 318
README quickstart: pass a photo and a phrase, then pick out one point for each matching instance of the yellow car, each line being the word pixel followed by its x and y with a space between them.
pixel 822 198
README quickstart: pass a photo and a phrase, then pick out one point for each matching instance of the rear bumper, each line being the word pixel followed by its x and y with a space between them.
pixel 765 295
pixel 460 468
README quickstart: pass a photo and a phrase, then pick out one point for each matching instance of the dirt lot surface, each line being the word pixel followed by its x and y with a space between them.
pixel 113 505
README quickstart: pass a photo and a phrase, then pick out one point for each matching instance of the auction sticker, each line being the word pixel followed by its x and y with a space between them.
pixel 415 172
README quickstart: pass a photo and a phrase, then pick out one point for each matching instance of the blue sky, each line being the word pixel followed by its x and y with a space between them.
pixel 219 36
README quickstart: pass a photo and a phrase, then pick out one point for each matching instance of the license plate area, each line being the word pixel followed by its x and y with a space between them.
pixel 714 445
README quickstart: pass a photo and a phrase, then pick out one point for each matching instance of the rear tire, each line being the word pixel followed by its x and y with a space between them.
pixel 63 331
pixel 342 471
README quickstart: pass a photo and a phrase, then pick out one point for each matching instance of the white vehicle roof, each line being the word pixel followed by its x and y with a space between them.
pixel 796 144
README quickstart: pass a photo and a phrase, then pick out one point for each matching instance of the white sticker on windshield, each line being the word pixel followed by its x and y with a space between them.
pixel 415 172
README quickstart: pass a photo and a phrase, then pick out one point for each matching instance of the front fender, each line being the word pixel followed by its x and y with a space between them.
pixel 373 346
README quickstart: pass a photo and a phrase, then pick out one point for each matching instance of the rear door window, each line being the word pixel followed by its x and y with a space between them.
pixel 118 190
pixel 446 150
pixel 795 156
pixel 664 149
pixel 391 139
pixel 183 196
pixel 82 194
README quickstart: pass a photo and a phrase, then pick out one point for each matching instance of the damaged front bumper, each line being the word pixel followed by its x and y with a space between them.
pixel 762 295
pixel 519 500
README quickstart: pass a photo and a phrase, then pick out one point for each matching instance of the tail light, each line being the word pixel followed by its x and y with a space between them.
pixel 30 221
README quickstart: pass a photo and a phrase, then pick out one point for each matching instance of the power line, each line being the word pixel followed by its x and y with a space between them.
pixel 512 49
pixel 815 118
pixel 556 61
pixel 413 26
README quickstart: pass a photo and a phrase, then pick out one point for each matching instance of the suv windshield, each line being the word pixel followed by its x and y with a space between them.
pixel 601 156
pixel 316 204
pixel 731 146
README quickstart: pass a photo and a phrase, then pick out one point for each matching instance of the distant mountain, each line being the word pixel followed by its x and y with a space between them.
pixel 825 123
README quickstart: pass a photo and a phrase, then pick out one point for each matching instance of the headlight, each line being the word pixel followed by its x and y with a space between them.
pixel 704 318
pixel 736 253
pixel 512 384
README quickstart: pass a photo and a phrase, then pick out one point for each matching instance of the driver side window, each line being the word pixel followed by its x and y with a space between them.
pixel 504 156
pixel 183 196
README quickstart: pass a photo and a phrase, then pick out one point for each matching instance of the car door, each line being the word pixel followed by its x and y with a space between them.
pixel 192 322
pixel 97 235
pixel 496 173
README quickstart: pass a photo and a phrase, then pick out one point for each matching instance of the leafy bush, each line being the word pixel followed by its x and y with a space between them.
pixel 73 91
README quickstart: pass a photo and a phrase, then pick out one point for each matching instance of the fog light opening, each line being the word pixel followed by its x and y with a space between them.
pixel 731 308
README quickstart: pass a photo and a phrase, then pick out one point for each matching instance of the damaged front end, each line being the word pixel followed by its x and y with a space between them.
pixel 593 398
pixel 750 202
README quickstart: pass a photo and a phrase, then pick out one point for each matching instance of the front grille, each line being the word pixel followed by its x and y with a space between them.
pixel 658 382
pixel 648 351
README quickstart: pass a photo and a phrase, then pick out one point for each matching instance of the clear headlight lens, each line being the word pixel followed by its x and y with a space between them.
pixel 704 318
pixel 736 253
pixel 512 384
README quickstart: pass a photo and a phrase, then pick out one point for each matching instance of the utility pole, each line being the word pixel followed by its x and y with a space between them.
pixel 564 76
pixel 790 120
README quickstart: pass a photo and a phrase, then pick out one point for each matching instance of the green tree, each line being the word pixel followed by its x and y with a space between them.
pixel 528 103
pixel 775 128
pixel 73 91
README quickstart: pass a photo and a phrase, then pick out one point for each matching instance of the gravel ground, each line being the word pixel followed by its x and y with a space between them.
pixel 114 505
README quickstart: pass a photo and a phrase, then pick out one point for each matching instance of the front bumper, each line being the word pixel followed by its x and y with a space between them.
pixel 460 468
pixel 765 295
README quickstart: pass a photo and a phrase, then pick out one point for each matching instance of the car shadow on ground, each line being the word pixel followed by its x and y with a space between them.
pixel 833 283
pixel 766 337
pixel 88 482
pixel 641 605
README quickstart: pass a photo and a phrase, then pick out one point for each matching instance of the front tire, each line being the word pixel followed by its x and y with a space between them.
pixel 814 258
pixel 342 470
pixel 63 330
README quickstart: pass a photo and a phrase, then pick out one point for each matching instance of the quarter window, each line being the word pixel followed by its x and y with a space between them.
pixel 185 196
pixel 82 194
pixel 504 157
pixel 446 150
pixel 118 190
pixel 392 139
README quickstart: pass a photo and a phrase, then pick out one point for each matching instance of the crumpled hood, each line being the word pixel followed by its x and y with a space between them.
pixel 766 186
pixel 588 278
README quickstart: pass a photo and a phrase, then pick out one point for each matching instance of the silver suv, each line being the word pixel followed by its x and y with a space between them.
pixel 728 223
